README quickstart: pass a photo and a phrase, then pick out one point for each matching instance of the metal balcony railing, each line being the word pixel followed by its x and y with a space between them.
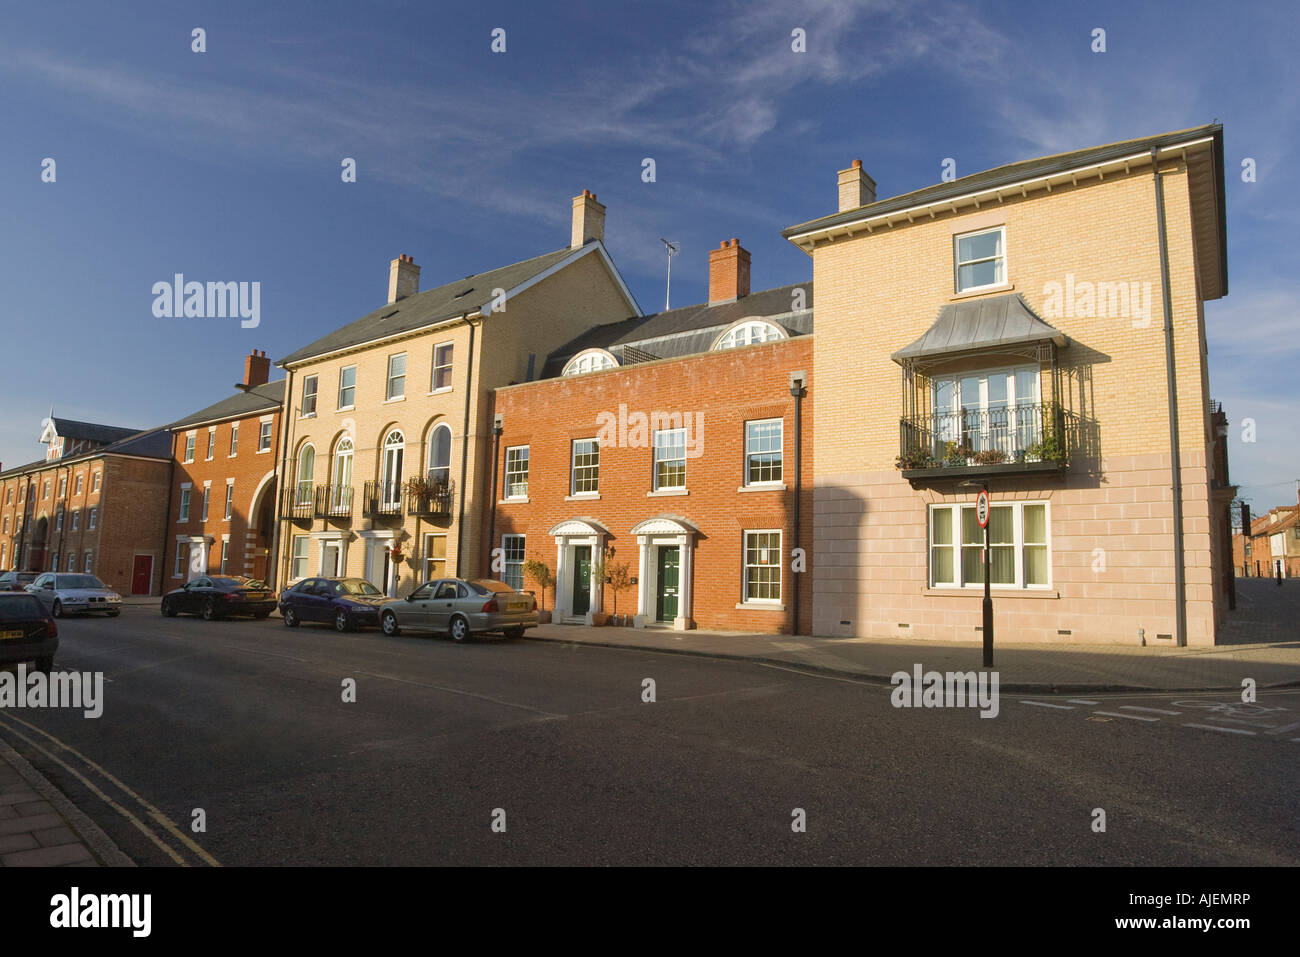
pixel 383 500
pixel 435 502
pixel 1022 434
pixel 334 501
pixel 296 502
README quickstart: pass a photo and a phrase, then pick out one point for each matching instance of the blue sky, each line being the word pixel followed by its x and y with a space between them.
pixel 225 165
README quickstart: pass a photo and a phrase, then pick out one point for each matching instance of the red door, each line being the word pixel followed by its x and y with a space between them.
pixel 142 575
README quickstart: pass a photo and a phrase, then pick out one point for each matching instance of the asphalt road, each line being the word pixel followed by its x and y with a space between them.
pixel 246 721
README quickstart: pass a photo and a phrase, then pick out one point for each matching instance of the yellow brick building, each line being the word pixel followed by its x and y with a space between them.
pixel 1009 328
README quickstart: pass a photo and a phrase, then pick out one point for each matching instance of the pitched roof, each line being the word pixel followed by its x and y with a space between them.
pixel 1008 174
pixel 448 301
pixel 688 329
pixel 261 398
pixel 90 431
pixel 148 443
pixel 983 323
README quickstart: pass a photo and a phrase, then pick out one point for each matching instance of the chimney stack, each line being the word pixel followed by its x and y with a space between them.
pixel 728 272
pixel 856 187
pixel 403 278
pixel 588 219
pixel 257 369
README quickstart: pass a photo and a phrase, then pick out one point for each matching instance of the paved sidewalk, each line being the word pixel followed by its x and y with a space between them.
pixel 39 827
pixel 1029 668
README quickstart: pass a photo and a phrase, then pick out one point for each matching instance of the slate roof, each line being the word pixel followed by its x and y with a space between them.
pixel 686 330
pixel 261 398
pixel 1005 175
pixel 148 443
pixel 90 431
pixel 447 301
pixel 981 324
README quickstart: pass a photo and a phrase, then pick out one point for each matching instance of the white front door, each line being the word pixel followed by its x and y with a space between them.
pixel 330 565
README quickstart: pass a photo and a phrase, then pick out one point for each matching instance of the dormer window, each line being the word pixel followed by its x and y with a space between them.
pixel 980 259
pixel 749 332
pixel 590 360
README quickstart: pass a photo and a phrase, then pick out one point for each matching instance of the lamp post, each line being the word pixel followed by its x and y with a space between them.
pixel 982 513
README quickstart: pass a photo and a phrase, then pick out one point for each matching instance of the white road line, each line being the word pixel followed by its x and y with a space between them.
pixel 1134 707
pixel 1215 727
pixel 1131 717
pixel 1284 728
pixel 1081 701
pixel 1044 704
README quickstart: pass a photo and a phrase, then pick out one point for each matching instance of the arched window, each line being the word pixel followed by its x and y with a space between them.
pixel 749 333
pixel 590 360
pixel 440 455
pixel 394 449
pixel 306 474
pixel 341 486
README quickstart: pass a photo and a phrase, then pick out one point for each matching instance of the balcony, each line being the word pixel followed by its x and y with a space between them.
pixel 296 504
pixel 1017 439
pixel 429 499
pixel 334 502
pixel 383 500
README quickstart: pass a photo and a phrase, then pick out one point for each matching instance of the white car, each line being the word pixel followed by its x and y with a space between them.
pixel 75 595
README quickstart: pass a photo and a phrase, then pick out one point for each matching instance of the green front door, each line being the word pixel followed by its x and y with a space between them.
pixel 581 579
pixel 666 600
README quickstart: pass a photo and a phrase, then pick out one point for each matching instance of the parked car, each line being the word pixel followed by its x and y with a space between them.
pixel 347 602
pixel 27 631
pixel 16 581
pixel 461 609
pixel 75 594
pixel 220 596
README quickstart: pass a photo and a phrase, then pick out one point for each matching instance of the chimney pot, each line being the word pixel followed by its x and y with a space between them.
pixel 728 272
pixel 588 220
pixel 403 278
pixel 257 368
pixel 856 187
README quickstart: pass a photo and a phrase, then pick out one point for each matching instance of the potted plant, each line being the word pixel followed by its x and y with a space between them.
pixel 540 572
pixel 990 457
pixel 956 454
pixel 396 556
pixel 914 459
pixel 619 578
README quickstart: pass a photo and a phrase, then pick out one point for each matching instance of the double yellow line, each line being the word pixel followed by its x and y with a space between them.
pixel 159 819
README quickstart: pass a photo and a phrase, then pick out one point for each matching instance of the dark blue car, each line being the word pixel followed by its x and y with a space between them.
pixel 347 602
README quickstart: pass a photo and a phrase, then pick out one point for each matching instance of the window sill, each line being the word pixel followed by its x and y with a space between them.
pixel 760 606
pixel 667 492
pixel 982 291
pixel 766 487
pixel 307 415
pixel 443 391
pixel 517 500
pixel 263 451
pixel 1003 592
pixel 582 497
pixel 396 398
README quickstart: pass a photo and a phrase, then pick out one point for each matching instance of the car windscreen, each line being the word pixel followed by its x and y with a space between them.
pixel 486 586
pixel 78 581
pixel 357 586
pixel 21 608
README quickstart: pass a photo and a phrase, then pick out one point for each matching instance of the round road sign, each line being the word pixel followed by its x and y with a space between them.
pixel 982 508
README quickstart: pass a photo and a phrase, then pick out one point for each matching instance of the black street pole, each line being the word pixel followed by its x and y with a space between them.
pixel 988 596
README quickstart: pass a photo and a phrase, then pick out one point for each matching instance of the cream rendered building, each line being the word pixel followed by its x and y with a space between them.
pixel 404 394
pixel 1021 327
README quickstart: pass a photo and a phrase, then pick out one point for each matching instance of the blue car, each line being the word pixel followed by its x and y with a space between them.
pixel 347 602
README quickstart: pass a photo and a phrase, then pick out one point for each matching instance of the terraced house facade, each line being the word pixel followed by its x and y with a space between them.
pixel 1037 328
pixel 387 421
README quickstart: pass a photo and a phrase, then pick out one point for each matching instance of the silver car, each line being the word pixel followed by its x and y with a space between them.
pixel 461 609
pixel 75 594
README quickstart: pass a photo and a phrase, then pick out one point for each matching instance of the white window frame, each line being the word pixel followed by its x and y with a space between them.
pixel 508 491
pixel 428 558
pixel 230 498
pixel 225 553
pixel 182 558
pixel 309 396
pixel 1017 545
pixel 79 484
pixel 190 440
pixel 183 515
pixel 656 446
pixel 946 431
pixel 395 377
pixel 76 519
pixel 92 514
pixel 86 570
pixel 590 360
pixel 749 332
pixel 58 520
pixel 780 450
pixel 63 486
pixel 264 435
pixel 513 567
pixel 95 484
pixel 342 407
pixel 299 553
pixel 302 488
pixel 212 443
pixel 207 499
pixel 72 561
pixel 392 469
pixel 234 440
pixel 440 366
pixel 958 262
pixel 745 566
pixel 573 468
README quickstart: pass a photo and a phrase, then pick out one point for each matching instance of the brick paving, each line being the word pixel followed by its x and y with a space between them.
pixel 37 826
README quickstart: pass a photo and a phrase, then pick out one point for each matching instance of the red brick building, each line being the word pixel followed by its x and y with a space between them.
pixel 222 512
pixel 667 443
pixel 96 503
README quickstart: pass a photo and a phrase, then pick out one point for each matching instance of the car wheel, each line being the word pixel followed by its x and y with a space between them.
pixel 389 624
pixel 168 608
pixel 459 629
pixel 45 665
pixel 514 632
pixel 290 618
pixel 342 621
pixel 58 609
pixel 209 609
pixel 115 613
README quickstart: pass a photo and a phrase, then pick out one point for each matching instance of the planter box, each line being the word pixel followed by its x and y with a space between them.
pixel 543 617
pixel 599 618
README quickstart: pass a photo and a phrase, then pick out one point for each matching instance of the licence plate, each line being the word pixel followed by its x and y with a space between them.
pixel 517 606
pixel 10 635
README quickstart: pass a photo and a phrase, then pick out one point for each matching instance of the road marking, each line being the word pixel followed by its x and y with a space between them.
pixel 1131 717
pixel 1044 704
pixel 166 822
pixel 1081 701
pixel 1286 727
pixel 1134 707
pixel 1215 727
